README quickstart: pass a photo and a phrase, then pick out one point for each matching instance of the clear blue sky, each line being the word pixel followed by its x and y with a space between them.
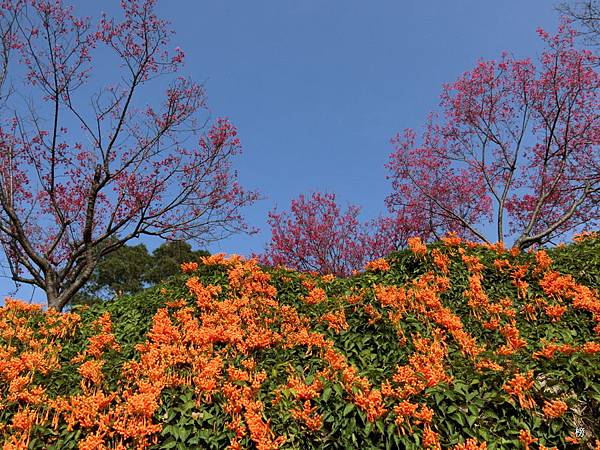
pixel 318 87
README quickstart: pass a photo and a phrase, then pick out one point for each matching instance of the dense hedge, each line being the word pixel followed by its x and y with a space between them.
pixel 452 345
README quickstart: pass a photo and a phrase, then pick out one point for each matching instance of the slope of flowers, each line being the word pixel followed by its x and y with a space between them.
pixel 453 345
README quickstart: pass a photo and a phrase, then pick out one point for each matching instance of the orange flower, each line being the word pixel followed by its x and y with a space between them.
pixel 329 278
pixel 372 403
pixel 92 370
pixel 518 386
pixel 555 408
pixel 513 340
pixel 92 442
pixel 441 261
pixel 416 246
pixel 585 235
pixel 502 264
pixel 430 438
pixel 526 438
pixel 470 444
pixel 472 262
pixel 591 347
pixel 378 264
pixel 315 296
pixel 187 267
pixel 572 440
pixel 451 239
pixel 404 410
pixel 336 320
pixel 555 312
pixel 543 261
pixel 24 419
pixel 487 364
pixel 309 416
pixel 372 312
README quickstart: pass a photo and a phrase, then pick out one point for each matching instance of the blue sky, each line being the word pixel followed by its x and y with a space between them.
pixel 317 88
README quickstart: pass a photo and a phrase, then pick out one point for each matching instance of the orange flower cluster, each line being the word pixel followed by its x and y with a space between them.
pixel 473 263
pixel 431 438
pixel 220 259
pixel 359 388
pixel 555 312
pixel 470 444
pixel 328 278
pixel 425 368
pixel 417 247
pixel 309 416
pixel 502 265
pixel 304 393
pixel 208 346
pixel 451 239
pixel 591 347
pixel 518 273
pixel 378 264
pixel 558 286
pixel 373 313
pixel 554 409
pixel 336 320
pixel 315 296
pixel 441 261
pixel 519 386
pixel 205 295
pixel 187 267
pixel 580 237
pixel 513 340
pixel 406 410
pixel 526 438
pixel 487 364
pixel 548 350
pixel 28 346
pixel 543 262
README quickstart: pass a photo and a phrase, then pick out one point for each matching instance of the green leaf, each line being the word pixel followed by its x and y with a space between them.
pixel 349 408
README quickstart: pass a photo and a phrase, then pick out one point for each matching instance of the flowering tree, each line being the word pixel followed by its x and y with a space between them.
pixel 85 158
pixel 516 144
pixel 315 235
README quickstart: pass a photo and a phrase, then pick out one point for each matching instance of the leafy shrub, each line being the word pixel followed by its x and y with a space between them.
pixel 453 345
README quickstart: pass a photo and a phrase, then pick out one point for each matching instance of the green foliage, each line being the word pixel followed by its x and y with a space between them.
pixel 130 269
pixel 473 404
pixel 167 259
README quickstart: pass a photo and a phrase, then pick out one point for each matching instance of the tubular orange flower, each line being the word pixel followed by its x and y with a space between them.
pixel 372 312
pixel 24 419
pixel 526 438
pixel 92 370
pixel 441 261
pixel 451 239
pixel 328 278
pixel 315 296
pixel 487 364
pixel 543 261
pixel 187 267
pixel 378 264
pixel 555 408
pixel 518 386
pixel 430 438
pixel 336 320
pixel 591 347
pixel 416 246
pixel 470 444
pixel 555 312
